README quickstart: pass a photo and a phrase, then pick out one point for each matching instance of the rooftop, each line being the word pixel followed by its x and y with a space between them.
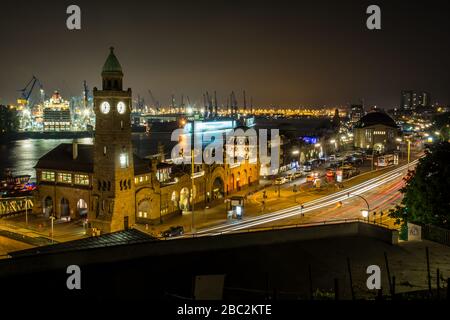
pixel 131 236
pixel 112 65
pixel 376 118
pixel 61 158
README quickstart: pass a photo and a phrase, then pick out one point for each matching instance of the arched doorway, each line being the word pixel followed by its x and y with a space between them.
pixel 82 208
pixel 217 188
pixel 174 198
pixel 48 206
pixel 184 199
pixel 65 209
pixel 144 209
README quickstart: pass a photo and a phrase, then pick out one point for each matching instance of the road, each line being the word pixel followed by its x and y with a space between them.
pixel 381 192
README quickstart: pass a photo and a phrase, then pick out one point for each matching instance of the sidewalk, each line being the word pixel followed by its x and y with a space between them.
pixel 38 230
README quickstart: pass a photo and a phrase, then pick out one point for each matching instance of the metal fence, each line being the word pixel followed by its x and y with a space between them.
pixel 436 234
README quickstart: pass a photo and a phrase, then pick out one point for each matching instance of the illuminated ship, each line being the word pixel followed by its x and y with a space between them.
pixel 57 114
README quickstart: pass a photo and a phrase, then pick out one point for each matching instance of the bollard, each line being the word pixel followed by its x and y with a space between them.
pixel 393 287
pixel 428 270
pixel 336 289
pixel 311 295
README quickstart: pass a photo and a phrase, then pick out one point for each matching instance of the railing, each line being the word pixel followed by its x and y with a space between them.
pixel 288 226
pixel 10 206
pixel 307 224
pixel 436 234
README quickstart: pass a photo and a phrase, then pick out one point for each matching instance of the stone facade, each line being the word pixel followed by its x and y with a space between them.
pixel 113 188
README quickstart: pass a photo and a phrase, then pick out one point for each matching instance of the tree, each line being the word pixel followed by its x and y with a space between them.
pixel 426 193
pixel 9 121
pixel 441 123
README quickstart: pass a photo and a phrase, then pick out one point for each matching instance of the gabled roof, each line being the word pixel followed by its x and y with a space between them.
pixel 61 158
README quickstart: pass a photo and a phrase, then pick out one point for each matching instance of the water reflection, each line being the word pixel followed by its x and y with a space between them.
pixel 21 156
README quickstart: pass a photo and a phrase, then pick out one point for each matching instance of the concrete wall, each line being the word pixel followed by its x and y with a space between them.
pixel 201 245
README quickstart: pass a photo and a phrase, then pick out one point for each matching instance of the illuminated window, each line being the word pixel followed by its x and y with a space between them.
pixel 64 177
pixel 47 176
pixel 136 180
pixel 141 179
pixel 82 179
pixel 123 160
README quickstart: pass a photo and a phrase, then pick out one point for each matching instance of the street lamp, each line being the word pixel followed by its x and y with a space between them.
pixel 365 214
pixel 52 218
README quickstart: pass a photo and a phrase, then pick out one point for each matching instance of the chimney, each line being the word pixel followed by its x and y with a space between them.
pixel 75 149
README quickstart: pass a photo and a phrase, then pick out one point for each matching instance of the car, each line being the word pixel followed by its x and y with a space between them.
pixel 280 180
pixel 297 175
pixel 292 176
pixel 173 231
pixel 312 176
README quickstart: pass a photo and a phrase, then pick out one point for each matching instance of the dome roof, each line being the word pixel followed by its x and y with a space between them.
pixel 376 118
pixel 112 65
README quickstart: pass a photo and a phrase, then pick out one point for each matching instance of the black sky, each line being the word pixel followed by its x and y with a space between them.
pixel 283 53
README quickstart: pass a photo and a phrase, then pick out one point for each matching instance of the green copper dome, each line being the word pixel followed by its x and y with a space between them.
pixel 112 65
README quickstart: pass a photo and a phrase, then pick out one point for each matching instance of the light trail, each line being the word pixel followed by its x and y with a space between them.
pixel 308 206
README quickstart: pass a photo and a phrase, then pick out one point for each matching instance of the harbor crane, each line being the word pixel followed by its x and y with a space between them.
pixel 154 101
pixel 28 90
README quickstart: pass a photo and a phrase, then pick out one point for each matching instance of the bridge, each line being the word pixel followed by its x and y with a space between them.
pixel 13 206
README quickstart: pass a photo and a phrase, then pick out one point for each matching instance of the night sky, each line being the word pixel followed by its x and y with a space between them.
pixel 309 53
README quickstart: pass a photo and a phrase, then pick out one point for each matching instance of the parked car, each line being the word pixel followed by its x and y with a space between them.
pixel 297 175
pixel 173 231
pixel 280 180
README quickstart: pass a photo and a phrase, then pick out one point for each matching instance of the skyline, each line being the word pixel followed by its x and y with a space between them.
pixel 305 53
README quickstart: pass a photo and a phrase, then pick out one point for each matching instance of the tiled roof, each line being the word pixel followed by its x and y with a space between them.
pixel 61 158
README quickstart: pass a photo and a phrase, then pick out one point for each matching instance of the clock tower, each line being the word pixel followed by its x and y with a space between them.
pixel 113 202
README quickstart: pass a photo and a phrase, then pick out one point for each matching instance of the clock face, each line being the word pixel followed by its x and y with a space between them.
pixel 105 107
pixel 121 107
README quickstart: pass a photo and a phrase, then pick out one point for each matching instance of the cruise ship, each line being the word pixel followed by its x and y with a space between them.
pixel 56 114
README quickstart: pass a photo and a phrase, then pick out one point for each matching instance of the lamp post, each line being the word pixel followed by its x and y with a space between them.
pixel 399 140
pixel 52 218
pixel 26 211
pixel 192 174
pixel 364 212
pixel 295 153
pixel 409 151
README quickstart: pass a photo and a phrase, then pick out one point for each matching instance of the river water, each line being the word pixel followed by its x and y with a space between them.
pixel 22 155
